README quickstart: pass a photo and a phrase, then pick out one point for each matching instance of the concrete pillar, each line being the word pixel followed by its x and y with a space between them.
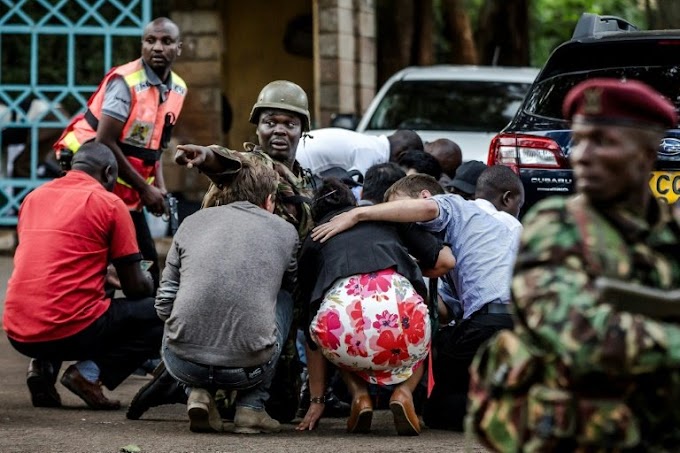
pixel 345 57
pixel 200 66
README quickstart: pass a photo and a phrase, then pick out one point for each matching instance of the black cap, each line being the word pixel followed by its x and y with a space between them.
pixel 347 177
pixel 466 176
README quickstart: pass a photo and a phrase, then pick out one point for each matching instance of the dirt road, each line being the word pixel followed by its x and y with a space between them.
pixel 75 429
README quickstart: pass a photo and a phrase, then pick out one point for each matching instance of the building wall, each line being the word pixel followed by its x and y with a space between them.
pixel 346 57
pixel 254 55
pixel 232 49
pixel 200 66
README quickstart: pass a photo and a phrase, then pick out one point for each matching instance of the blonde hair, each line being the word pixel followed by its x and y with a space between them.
pixel 412 185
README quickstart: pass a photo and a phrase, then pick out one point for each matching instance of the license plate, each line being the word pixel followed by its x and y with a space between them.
pixel 665 185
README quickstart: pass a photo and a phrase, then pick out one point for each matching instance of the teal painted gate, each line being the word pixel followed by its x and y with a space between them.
pixel 53 54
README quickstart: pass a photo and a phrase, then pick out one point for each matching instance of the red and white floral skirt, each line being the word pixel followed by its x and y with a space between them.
pixel 374 325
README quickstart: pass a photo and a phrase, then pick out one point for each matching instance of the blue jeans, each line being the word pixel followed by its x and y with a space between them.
pixel 252 383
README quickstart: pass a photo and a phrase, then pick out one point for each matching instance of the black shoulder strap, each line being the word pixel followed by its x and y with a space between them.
pixel 433 304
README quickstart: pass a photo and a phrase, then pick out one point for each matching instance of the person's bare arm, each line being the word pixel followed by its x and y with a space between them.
pixel 134 282
pixel 316 364
pixel 420 210
pixel 445 262
pixel 160 179
pixel 108 131
pixel 444 314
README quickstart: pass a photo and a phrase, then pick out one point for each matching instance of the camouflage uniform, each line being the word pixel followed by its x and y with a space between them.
pixel 293 195
pixel 293 198
pixel 576 375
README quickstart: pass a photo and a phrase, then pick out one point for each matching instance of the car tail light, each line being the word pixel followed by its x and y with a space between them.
pixel 525 151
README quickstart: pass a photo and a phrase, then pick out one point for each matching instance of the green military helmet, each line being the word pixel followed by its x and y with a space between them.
pixel 282 95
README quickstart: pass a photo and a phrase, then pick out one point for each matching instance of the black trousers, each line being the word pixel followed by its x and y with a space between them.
pixel 455 347
pixel 147 246
pixel 124 337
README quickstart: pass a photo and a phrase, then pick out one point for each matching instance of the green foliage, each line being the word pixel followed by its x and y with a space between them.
pixel 553 21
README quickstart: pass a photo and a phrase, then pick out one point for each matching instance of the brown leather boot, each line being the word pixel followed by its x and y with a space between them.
pixel 252 421
pixel 90 392
pixel 202 412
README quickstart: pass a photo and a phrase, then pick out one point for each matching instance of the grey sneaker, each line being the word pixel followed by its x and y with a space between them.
pixel 253 421
pixel 203 414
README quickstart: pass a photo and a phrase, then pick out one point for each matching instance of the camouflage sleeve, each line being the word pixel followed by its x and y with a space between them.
pixel 555 300
pixel 229 162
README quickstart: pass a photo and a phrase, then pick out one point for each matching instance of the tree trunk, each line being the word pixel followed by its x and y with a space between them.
pixel 425 50
pixel 462 43
pixel 503 33
pixel 395 36
pixel 667 15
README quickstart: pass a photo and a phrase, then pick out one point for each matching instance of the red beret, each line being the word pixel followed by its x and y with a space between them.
pixel 617 102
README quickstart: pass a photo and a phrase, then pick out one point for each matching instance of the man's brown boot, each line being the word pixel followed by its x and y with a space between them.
pixel 90 392
pixel 202 412
pixel 252 421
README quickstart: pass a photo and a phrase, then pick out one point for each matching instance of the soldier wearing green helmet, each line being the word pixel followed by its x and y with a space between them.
pixel 281 114
pixel 282 95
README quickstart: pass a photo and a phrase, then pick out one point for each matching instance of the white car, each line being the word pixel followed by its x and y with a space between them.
pixel 466 104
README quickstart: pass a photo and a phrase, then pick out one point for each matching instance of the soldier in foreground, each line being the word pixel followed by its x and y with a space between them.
pixel 578 373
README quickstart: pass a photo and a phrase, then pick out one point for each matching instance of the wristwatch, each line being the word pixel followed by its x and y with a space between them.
pixel 318 399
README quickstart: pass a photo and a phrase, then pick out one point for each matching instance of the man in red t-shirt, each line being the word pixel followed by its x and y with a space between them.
pixel 56 306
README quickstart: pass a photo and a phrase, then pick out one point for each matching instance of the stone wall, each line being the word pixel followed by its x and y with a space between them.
pixel 200 66
pixel 235 48
pixel 346 57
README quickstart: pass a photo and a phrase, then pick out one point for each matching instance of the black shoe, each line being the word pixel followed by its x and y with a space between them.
pixel 40 380
pixel 304 397
pixel 161 389
pixel 225 404
pixel 335 407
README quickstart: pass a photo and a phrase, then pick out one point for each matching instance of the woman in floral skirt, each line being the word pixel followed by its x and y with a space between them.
pixel 367 311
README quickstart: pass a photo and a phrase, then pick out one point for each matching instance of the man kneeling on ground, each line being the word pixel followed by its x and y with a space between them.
pixel 56 307
pixel 224 327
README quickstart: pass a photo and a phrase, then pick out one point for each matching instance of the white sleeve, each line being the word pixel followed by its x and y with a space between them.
pixel 365 158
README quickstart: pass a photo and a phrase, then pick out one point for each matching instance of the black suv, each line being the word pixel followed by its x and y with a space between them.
pixel 537 142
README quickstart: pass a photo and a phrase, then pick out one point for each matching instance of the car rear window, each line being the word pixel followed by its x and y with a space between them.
pixel 473 106
pixel 653 61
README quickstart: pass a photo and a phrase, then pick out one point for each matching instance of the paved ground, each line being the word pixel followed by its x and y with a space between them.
pixel 74 429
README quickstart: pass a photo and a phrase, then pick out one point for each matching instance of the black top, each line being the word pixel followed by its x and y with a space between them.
pixel 365 248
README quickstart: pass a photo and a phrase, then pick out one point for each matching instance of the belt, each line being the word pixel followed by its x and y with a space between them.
pixel 495 308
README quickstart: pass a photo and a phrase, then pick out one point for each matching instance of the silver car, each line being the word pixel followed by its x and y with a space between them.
pixel 466 104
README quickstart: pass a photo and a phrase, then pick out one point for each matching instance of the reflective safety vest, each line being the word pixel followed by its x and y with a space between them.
pixel 146 132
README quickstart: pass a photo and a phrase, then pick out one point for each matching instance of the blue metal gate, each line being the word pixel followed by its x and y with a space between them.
pixel 45 62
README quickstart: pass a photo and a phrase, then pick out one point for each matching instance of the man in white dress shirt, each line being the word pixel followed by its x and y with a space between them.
pixel 325 148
